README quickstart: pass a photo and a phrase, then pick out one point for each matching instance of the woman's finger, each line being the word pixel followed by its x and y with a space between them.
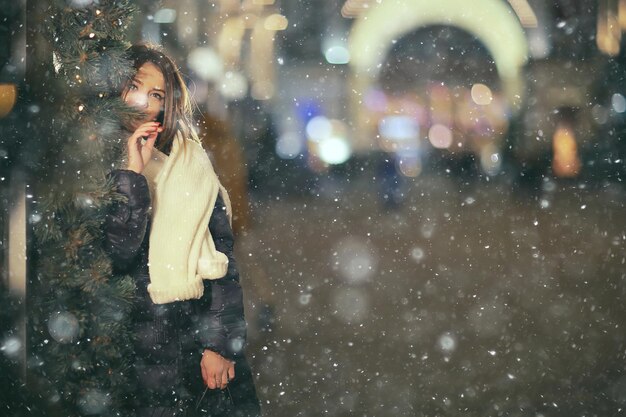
pixel 205 374
pixel 135 140
pixel 148 125
pixel 146 149
pixel 212 381
pixel 150 141
pixel 231 372
pixel 144 130
pixel 224 381
pixel 132 139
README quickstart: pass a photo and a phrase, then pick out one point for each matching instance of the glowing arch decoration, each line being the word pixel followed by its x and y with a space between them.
pixel 491 21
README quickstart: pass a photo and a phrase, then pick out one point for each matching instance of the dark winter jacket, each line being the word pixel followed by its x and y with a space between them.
pixel 217 319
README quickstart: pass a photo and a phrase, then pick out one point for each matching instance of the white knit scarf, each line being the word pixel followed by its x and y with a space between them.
pixel 184 188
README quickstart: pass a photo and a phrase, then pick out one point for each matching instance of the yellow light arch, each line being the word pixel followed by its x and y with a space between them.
pixel 490 21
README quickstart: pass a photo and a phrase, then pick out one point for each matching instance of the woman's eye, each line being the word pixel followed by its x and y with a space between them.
pixel 132 87
pixel 158 96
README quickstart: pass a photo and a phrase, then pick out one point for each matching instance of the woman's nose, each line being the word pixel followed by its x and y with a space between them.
pixel 137 100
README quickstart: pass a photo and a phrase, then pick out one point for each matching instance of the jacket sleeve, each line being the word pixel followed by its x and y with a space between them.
pixel 220 311
pixel 221 322
pixel 126 222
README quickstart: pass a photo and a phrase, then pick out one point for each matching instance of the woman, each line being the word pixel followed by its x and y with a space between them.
pixel 174 235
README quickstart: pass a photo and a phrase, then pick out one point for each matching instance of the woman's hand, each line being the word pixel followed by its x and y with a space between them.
pixel 139 153
pixel 217 371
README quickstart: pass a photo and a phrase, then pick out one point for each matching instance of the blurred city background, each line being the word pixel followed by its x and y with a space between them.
pixel 429 196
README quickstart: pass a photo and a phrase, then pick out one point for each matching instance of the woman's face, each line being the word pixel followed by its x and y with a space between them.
pixel 146 92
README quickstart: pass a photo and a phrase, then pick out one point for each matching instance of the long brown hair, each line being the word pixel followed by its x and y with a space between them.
pixel 177 115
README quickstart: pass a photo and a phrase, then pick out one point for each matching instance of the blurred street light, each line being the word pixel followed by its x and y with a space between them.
pixel 8 97
pixel 165 16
